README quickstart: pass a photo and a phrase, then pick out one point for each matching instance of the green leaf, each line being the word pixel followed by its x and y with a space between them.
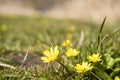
pixel 115 72
pixel 117 60
pixel 102 74
pixel 43 78
pixel 100 32
pixel 109 61
pixel 100 66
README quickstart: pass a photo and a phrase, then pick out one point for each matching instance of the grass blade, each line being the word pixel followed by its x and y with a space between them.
pixel 100 32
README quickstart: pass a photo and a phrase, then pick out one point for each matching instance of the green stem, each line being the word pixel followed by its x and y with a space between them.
pixel 63 66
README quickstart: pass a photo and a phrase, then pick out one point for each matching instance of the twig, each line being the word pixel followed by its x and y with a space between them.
pixel 24 58
pixel 6 65
pixel 95 76
pixel 81 40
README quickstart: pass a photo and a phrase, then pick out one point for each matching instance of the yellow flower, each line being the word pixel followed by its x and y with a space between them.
pixel 72 52
pixel 4 27
pixel 95 57
pixel 0 37
pixel 116 78
pixel 72 28
pixel 50 55
pixel 69 35
pixel 84 67
pixel 66 43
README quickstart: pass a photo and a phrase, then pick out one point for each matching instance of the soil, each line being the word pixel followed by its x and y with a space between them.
pixel 32 60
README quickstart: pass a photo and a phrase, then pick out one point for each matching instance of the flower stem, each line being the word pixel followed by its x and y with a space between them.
pixel 63 66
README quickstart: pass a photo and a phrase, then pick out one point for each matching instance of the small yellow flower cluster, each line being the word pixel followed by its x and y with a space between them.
pixel 71 52
pixel 53 52
pixel 85 66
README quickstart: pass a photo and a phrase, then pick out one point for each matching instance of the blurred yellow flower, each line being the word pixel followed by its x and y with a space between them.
pixel 4 27
pixel 72 52
pixel 72 28
pixel 66 43
pixel 0 36
pixel 116 78
pixel 95 57
pixel 84 67
pixel 69 35
pixel 50 55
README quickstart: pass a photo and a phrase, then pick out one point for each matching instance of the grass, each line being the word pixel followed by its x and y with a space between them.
pixel 19 34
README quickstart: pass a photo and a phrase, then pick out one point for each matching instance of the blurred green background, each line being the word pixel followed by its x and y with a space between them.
pixel 35 24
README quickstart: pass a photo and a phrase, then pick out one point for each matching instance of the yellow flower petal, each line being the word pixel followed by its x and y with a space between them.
pixel 116 78
pixel 45 59
pixel 46 53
